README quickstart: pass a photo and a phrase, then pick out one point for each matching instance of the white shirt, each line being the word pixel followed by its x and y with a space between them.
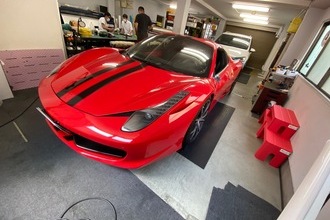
pixel 102 21
pixel 127 27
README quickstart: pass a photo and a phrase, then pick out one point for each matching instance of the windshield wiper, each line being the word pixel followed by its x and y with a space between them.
pixel 154 63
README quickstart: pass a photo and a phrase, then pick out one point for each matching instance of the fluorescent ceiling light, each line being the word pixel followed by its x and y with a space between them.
pixel 173 5
pixel 255 17
pixel 255 21
pixel 251 8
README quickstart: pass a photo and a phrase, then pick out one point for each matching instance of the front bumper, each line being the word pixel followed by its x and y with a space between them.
pixel 101 138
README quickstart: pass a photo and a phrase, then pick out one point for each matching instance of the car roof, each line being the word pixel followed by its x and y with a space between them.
pixel 237 34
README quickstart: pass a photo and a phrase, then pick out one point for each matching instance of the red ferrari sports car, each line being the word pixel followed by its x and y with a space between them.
pixel 129 108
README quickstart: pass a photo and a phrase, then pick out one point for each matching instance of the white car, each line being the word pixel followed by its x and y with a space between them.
pixel 238 46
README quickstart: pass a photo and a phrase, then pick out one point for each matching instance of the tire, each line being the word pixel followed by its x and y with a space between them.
pixel 197 124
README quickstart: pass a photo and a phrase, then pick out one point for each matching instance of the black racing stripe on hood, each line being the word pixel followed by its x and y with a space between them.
pixel 99 85
pixel 96 74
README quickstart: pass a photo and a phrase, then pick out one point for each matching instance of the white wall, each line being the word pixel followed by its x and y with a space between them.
pixel 312 110
pixel 151 8
pixel 308 29
pixel 311 107
pixel 221 28
pixel 33 24
pixel 112 7
pixel 275 49
pixel 29 25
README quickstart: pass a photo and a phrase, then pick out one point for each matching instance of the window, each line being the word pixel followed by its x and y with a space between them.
pixel 174 53
pixel 222 61
pixel 316 66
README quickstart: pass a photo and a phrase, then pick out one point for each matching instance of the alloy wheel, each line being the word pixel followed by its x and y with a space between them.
pixel 198 122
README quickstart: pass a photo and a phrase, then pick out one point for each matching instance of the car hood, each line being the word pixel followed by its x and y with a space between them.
pixel 128 86
pixel 235 52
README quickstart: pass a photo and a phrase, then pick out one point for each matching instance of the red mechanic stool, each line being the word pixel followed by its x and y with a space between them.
pixel 264 120
pixel 280 120
pixel 275 145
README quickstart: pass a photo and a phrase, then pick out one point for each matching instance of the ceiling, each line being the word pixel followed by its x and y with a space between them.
pixel 281 11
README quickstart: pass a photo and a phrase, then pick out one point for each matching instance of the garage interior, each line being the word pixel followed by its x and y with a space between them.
pixel 220 179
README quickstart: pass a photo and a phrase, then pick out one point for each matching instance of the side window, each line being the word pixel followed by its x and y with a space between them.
pixel 316 67
pixel 222 61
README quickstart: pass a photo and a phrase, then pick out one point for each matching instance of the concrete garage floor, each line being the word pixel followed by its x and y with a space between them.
pixel 41 178
pixel 187 187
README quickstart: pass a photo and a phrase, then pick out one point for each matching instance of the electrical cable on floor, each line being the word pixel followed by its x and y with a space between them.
pixel 80 201
pixel 4 124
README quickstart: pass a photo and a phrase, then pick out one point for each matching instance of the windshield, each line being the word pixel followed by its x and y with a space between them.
pixel 234 41
pixel 174 53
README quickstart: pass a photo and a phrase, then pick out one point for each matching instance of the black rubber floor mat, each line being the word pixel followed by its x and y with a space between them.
pixel 47 177
pixel 243 78
pixel 200 151
pixel 238 203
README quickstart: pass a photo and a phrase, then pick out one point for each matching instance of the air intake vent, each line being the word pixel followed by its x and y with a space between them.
pixel 87 144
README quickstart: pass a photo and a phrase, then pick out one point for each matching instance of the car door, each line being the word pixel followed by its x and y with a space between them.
pixel 223 75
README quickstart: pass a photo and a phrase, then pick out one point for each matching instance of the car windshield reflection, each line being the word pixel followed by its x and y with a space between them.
pixel 234 41
pixel 174 53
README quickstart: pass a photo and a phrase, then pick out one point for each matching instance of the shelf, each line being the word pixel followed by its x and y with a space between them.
pixel 80 12
pixel 169 20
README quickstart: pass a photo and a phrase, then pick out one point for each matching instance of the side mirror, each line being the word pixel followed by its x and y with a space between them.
pixel 217 77
pixel 252 50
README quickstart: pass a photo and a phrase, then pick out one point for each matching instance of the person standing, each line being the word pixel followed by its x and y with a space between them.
pixel 142 24
pixel 111 23
pixel 126 25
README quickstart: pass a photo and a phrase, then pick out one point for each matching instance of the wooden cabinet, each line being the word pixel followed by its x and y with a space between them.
pixel 270 92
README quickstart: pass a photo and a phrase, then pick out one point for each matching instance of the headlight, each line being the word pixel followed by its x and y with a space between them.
pixel 143 118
